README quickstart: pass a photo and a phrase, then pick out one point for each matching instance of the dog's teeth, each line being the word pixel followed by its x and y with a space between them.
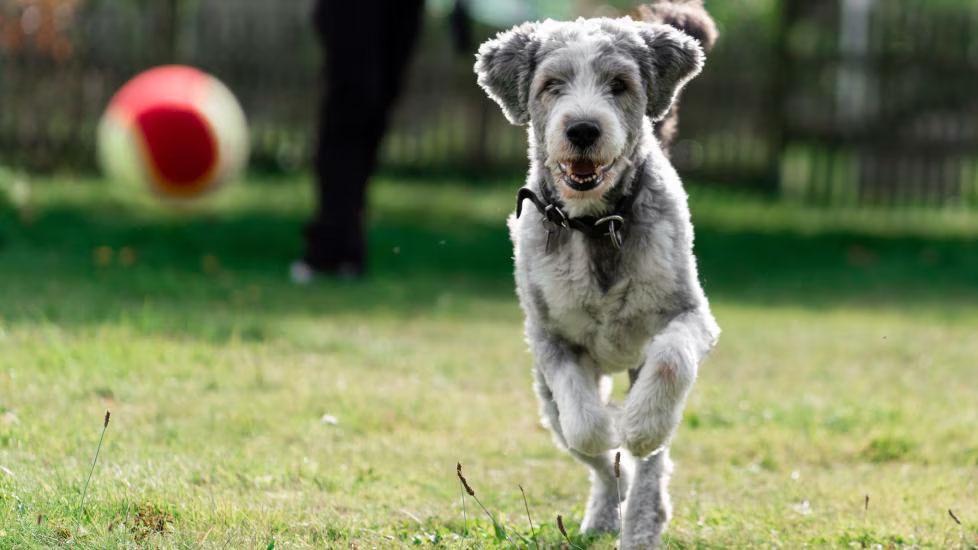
pixel 584 179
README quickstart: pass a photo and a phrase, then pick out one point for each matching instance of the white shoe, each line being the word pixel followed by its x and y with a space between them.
pixel 301 273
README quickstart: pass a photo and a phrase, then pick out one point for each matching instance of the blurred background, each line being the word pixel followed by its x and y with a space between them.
pixel 836 101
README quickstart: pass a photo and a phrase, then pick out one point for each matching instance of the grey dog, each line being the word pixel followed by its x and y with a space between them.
pixel 605 270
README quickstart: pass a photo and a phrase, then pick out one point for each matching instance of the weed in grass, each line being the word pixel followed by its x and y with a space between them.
pixel 563 531
pixel 98 449
pixel 497 527
pixel 621 520
pixel 529 519
pixel 465 517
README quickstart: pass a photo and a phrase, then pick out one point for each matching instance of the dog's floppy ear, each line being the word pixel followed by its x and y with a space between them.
pixel 670 59
pixel 505 66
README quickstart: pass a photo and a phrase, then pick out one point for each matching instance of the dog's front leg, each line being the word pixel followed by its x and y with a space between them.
pixel 607 489
pixel 571 404
pixel 655 401
pixel 570 397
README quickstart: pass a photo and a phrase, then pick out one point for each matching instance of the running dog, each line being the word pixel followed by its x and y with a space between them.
pixel 605 271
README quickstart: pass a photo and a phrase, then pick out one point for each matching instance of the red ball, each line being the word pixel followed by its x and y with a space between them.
pixel 175 128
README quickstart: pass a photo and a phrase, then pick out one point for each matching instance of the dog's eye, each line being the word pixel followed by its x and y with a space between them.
pixel 551 85
pixel 617 86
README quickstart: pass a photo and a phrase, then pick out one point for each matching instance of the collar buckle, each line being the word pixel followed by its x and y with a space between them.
pixel 614 223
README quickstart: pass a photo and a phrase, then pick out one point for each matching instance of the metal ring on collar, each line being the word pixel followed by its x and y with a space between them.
pixel 607 219
pixel 613 232
pixel 561 217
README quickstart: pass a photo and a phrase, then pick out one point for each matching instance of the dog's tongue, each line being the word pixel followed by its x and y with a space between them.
pixel 582 167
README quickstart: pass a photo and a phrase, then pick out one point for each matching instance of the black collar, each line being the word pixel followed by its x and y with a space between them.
pixel 609 225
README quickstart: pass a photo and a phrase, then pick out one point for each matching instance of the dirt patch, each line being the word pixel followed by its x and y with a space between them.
pixel 150 519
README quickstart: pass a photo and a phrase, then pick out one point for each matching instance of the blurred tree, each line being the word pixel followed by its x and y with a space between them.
pixel 41 26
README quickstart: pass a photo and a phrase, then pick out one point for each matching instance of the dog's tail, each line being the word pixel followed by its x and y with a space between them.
pixel 691 17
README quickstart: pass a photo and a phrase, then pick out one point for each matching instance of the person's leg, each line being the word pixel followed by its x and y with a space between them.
pixel 367 46
pixel 402 28
pixel 352 72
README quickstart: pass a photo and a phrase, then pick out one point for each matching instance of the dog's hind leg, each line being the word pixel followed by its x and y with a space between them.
pixel 603 505
pixel 648 508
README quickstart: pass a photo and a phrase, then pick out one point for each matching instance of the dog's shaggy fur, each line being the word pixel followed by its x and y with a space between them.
pixel 592 310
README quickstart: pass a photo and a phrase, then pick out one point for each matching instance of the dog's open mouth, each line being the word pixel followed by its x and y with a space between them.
pixel 583 174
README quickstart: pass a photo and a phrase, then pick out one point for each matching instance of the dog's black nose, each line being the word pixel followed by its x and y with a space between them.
pixel 583 134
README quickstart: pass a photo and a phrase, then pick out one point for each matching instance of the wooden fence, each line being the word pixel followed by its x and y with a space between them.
pixel 835 102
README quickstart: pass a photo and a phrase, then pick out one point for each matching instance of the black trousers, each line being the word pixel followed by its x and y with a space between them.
pixel 367 46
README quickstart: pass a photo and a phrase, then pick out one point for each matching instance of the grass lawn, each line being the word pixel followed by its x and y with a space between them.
pixel 847 369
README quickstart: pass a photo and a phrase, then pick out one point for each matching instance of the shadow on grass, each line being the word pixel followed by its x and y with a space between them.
pixel 229 274
pixel 838 269
pixel 77 265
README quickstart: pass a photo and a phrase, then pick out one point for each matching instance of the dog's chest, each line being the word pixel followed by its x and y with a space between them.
pixel 595 302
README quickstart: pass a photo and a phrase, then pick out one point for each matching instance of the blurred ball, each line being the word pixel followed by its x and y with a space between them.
pixel 176 129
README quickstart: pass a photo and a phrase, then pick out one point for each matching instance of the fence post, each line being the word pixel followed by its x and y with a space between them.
pixel 169 30
pixel 789 11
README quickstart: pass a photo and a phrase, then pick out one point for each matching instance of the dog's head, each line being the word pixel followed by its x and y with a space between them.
pixel 586 88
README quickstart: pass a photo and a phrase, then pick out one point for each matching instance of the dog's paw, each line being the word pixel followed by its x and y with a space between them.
pixel 646 541
pixel 602 516
pixel 589 430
